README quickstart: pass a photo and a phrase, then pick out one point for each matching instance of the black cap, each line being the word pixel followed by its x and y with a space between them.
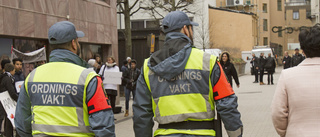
pixel 296 49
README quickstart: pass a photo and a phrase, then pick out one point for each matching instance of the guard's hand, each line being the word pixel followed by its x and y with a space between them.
pixel 238 86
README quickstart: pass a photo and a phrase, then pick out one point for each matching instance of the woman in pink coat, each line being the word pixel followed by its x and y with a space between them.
pixel 296 102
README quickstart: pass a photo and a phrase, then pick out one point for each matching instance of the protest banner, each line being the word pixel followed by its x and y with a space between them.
pixel 29 59
pixel 34 56
pixel 9 105
pixel 18 85
pixel 112 78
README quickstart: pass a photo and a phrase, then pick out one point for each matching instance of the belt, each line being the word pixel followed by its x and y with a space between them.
pixel 189 125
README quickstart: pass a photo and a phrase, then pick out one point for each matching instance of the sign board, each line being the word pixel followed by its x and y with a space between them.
pixel 18 85
pixel 9 105
pixel 112 78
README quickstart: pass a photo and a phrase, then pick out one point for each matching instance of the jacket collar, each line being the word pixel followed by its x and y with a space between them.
pixel 63 55
pixel 310 61
pixel 175 35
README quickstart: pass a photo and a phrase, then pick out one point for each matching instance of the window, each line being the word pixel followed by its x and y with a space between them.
pixel 280 32
pixel 264 8
pixel 265 40
pixel 265 25
pixel 137 24
pixel 152 24
pixel 279 5
pixel 295 15
pixel 142 24
pixel 308 14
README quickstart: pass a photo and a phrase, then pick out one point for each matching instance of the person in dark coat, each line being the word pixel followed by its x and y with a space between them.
pixel 2 111
pixel 130 77
pixel 18 76
pixel 262 62
pixel 297 58
pixel 229 69
pixel 270 67
pixel 255 66
pixel 7 84
pixel 286 60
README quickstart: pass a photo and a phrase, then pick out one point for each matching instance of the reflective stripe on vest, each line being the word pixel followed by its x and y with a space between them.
pixel 58 99
pixel 187 96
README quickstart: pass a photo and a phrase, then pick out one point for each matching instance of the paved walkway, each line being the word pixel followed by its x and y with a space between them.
pixel 254 104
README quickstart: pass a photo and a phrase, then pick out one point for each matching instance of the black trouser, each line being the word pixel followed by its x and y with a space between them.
pixel 255 72
pixel 8 128
pixel 112 99
pixel 261 74
pixel 270 73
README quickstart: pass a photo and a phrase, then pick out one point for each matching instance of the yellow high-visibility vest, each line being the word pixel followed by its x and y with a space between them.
pixel 186 97
pixel 57 92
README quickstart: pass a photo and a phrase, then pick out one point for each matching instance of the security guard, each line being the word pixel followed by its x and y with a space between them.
pixel 180 86
pixel 63 98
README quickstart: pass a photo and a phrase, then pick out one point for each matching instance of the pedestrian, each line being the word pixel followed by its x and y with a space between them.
pixel 97 57
pixel 270 67
pixel 262 62
pixel 18 76
pixel 7 84
pixel 255 65
pixel 63 97
pixel 129 62
pixel 286 60
pixel 295 104
pixel 130 77
pixel 229 69
pixel 3 114
pixel 297 58
pixel 123 69
pixel 176 90
pixel 93 64
pixel 111 89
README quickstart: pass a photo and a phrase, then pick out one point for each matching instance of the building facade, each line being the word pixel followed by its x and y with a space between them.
pixel 230 35
pixel 270 13
pixel 298 16
pixel 24 24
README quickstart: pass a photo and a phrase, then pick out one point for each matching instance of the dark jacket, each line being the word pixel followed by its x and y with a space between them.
pixel 270 65
pixel 7 84
pixel 287 62
pixel 123 70
pixel 296 60
pixel 18 76
pixel 167 63
pixel 229 69
pixel 262 62
pixel 130 77
pixel 254 62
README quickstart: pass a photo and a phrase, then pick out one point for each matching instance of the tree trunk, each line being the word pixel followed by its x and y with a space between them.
pixel 127 29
